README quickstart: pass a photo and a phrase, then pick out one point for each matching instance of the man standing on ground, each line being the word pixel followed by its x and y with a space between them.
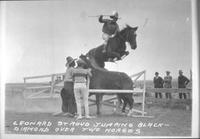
pixel 182 83
pixel 168 84
pixel 158 83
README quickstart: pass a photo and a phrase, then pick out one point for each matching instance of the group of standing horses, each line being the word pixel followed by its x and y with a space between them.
pixel 105 79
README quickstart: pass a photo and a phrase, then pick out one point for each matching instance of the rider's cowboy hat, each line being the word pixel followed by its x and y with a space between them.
pixel 69 60
pixel 115 15
pixel 156 73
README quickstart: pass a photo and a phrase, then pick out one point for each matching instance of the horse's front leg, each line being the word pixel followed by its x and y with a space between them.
pixel 99 98
pixel 113 55
pixel 123 54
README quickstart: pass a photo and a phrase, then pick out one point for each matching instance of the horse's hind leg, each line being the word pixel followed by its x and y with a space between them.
pixel 124 106
pixel 113 55
pixel 130 102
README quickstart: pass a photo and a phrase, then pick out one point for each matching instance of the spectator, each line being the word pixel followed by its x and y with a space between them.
pixel 158 83
pixel 182 83
pixel 168 84
pixel 81 87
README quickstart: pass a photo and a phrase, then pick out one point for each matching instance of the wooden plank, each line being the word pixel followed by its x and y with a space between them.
pixel 38 87
pixel 43 76
pixel 40 76
pixel 164 90
pixel 110 91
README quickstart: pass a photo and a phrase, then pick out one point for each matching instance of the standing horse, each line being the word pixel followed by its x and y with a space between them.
pixel 103 79
pixel 116 46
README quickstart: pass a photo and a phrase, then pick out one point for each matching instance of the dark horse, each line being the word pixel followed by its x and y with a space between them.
pixel 116 46
pixel 103 79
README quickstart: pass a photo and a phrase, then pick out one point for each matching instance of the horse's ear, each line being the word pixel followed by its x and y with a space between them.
pixel 82 55
pixel 127 26
pixel 136 28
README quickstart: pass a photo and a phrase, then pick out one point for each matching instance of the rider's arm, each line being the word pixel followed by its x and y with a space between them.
pixel 89 72
pixel 117 30
pixel 101 20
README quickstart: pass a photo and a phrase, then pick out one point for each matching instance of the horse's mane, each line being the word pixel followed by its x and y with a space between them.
pixel 95 65
pixel 124 28
pixel 92 63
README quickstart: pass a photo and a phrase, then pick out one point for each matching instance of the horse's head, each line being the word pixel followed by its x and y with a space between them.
pixel 90 63
pixel 85 58
pixel 130 35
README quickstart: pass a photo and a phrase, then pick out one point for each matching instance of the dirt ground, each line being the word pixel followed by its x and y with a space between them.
pixel 36 117
pixel 165 122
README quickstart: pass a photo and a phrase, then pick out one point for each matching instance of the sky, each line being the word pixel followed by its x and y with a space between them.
pixel 39 35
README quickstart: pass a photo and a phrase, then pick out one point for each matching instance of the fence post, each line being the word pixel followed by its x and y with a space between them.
pixel 52 85
pixel 144 91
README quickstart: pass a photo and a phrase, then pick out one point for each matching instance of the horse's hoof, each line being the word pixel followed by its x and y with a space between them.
pixel 115 59
pixel 127 52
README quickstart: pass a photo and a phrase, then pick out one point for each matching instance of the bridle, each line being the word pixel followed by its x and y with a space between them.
pixel 127 37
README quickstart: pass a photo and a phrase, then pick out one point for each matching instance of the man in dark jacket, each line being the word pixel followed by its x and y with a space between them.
pixel 158 83
pixel 182 83
pixel 67 92
pixel 110 28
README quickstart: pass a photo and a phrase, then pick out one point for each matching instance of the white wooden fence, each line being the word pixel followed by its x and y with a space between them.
pixel 55 86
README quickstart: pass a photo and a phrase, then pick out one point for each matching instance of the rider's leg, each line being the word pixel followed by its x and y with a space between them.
pixel 105 38
pixel 105 46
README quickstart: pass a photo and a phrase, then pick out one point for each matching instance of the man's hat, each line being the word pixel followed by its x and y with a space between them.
pixel 180 71
pixel 69 60
pixel 167 71
pixel 156 73
pixel 115 15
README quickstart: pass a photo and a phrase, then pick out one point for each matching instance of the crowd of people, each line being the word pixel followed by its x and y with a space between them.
pixel 166 82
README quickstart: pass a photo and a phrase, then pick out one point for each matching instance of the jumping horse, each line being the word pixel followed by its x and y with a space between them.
pixel 116 46
pixel 104 79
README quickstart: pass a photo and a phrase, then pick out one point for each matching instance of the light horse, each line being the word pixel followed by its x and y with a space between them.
pixel 116 46
pixel 104 79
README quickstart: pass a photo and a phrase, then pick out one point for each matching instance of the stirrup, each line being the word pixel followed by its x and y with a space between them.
pixel 103 51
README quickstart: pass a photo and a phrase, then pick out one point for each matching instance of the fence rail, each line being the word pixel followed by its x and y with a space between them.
pixel 169 90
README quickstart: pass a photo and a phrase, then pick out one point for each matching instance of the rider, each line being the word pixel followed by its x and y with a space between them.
pixel 110 28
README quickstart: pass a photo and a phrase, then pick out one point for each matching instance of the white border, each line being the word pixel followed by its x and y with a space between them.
pixel 195 95
pixel 3 66
pixel 195 67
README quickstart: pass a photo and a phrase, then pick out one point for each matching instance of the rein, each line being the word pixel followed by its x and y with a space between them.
pixel 126 37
